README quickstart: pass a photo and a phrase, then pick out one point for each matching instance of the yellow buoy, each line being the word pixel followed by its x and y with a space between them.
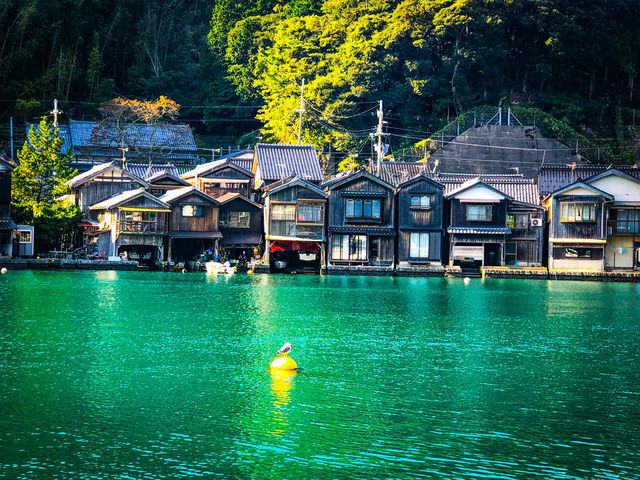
pixel 3 271
pixel 283 362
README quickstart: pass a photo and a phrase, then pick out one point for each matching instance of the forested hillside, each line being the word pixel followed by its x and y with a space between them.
pixel 228 62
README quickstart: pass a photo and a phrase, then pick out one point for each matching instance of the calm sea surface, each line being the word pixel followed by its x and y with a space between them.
pixel 147 375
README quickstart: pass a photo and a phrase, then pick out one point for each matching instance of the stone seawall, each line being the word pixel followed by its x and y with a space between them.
pixel 56 264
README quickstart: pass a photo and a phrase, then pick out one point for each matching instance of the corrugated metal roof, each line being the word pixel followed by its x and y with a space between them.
pixel 480 230
pixel 277 162
pixel 125 197
pixel 397 172
pixel 552 178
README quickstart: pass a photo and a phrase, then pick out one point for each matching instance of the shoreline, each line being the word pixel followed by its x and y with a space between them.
pixel 525 273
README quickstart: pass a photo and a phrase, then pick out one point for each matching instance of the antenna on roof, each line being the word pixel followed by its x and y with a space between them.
pixel 55 112
pixel 124 157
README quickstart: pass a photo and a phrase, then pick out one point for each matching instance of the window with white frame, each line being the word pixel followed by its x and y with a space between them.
pixel 419 245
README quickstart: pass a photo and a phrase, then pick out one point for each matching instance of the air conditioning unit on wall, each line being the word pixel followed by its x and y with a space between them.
pixel 536 222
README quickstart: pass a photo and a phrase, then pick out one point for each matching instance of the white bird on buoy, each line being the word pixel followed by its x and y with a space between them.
pixel 286 348
pixel 284 362
pixel 3 271
pixel 467 280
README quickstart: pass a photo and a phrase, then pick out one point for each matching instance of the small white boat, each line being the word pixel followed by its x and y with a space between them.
pixel 217 268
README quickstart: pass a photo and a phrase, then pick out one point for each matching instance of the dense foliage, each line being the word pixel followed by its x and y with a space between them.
pixel 428 60
pixel 38 181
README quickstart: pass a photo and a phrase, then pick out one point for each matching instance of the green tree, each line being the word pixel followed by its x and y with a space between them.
pixel 38 180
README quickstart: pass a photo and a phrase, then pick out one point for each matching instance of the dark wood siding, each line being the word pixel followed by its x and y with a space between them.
pixel 93 192
pixel 206 223
pixel 435 246
pixel 362 187
pixel 5 194
pixel 255 220
pixel 420 219
pixel 581 230
pixel 459 214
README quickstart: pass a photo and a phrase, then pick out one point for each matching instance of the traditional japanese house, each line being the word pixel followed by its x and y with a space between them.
pixel 219 178
pixel 495 224
pixel 164 181
pixel 133 223
pixel 594 223
pixel 8 228
pixel 395 173
pixel 360 224
pixel 241 226
pixel 93 186
pixel 419 211
pixel 93 143
pixel 193 224
pixel 273 163
pixel 294 213
pixel 99 183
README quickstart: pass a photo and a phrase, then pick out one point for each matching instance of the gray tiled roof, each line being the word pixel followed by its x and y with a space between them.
pixel 95 139
pixel 552 178
pixel 95 134
pixel 242 158
pixel 397 172
pixel 144 170
pixel 516 186
pixel 479 230
pixel 277 162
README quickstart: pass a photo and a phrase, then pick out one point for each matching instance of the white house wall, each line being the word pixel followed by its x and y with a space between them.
pixel 479 193
pixel 623 189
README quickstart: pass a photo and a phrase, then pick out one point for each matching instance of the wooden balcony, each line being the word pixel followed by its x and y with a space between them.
pixel 158 227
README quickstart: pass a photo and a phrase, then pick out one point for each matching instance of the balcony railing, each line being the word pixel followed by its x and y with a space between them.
pixel 137 226
pixel 623 227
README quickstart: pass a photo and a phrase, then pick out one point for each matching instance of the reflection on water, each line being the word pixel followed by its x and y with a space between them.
pixel 160 375
pixel 281 385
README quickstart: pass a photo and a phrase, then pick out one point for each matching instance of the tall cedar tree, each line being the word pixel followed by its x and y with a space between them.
pixel 37 182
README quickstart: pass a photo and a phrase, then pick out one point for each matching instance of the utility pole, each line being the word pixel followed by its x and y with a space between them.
pixel 301 111
pixel 379 134
pixel 11 129
pixel 55 112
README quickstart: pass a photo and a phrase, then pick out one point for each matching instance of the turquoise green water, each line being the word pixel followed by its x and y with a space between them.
pixel 150 375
